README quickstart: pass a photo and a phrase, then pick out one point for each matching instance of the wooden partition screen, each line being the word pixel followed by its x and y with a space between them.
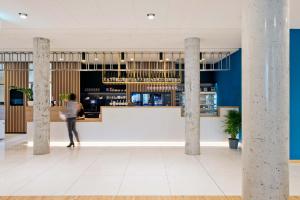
pixel 65 79
pixel 16 74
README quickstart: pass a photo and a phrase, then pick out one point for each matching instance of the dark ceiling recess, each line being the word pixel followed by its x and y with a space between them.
pixel 161 56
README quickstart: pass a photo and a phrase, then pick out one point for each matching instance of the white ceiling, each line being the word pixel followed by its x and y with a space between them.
pixel 123 25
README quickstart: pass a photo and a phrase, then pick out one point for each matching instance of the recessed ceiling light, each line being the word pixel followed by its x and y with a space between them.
pixel 96 59
pixel 151 16
pixel 167 59
pixel 23 15
pixel 61 59
pixel 131 59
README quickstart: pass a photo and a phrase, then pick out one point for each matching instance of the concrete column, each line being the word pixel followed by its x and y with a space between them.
pixel 192 95
pixel 41 112
pixel 265 75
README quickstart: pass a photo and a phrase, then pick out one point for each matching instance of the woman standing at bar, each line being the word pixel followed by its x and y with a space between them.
pixel 72 108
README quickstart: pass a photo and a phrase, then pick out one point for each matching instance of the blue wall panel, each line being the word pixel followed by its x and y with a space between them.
pixel 294 94
pixel 229 82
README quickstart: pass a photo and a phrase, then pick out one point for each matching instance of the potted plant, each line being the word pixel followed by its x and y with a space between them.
pixel 27 92
pixel 63 98
pixel 232 127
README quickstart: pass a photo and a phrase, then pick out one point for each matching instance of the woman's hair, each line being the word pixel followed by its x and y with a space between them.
pixel 72 97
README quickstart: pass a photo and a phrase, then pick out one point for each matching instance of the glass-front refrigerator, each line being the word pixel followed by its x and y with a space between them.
pixel 151 99
pixel 157 100
pixel 136 99
pixel 146 99
pixel 166 99
pixel 208 103
pixel 208 100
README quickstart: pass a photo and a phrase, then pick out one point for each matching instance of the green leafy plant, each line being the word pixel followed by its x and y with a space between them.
pixel 26 91
pixel 233 123
pixel 63 96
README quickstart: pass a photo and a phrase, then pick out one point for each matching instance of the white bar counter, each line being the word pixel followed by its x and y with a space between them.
pixel 138 124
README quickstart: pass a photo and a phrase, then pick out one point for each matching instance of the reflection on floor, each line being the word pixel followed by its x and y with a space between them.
pixel 123 171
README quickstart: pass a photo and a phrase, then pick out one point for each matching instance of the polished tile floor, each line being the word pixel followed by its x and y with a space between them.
pixel 122 171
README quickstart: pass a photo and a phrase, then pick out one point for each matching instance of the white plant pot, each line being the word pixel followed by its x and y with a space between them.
pixel 30 103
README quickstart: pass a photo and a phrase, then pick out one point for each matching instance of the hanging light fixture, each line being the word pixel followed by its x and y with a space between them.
pixel 96 57
pixel 161 56
pixel 122 56
pixel 61 58
pixel 201 57
pixel 83 56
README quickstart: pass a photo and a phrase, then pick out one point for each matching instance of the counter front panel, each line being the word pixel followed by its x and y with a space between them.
pixel 139 124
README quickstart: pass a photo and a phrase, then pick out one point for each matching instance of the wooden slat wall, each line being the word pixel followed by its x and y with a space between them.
pixel 65 79
pixel 16 74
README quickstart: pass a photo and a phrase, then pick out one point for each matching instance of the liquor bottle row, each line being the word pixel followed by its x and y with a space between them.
pixel 116 97
pixel 111 89
pixel 91 89
pixel 207 89
pixel 118 103
pixel 162 87
pixel 124 80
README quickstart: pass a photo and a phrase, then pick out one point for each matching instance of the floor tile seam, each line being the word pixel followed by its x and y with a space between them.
pixel 79 176
pixel 124 174
pixel 27 160
pixel 14 163
pixel 11 143
pixel 210 176
pixel 166 173
pixel 18 166
pixel 41 173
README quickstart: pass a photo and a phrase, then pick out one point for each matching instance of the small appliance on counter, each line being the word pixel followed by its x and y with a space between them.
pixel 16 98
pixel 91 105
